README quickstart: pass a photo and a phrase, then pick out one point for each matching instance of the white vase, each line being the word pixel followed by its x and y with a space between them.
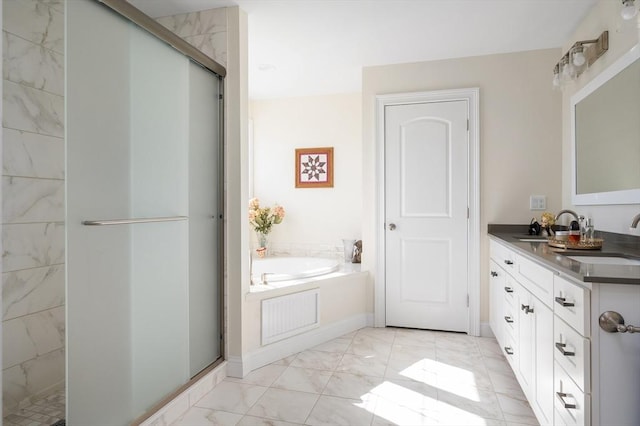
pixel 263 239
pixel 348 249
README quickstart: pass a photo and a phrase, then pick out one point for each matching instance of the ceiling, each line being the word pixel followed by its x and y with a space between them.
pixel 313 47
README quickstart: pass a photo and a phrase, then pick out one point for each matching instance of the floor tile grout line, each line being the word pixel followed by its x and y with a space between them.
pixel 327 384
pixel 267 389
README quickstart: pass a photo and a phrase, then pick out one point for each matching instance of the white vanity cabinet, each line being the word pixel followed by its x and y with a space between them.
pixel 535 366
pixel 504 300
pixel 525 333
pixel 572 355
pixel 496 285
pixel 571 371
pixel 615 357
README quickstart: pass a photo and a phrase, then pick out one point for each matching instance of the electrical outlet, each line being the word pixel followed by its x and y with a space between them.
pixel 537 202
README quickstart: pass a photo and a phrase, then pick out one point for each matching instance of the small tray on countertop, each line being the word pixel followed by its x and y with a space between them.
pixel 593 244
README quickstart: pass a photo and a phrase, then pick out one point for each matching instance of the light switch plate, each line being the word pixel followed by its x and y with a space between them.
pixel 537 202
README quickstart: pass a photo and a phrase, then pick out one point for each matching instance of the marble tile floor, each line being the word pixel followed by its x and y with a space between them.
pixel 44 412
pixel 377 377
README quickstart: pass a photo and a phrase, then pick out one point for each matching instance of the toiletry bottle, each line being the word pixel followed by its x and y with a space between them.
pixel 591 232
pixel 574 231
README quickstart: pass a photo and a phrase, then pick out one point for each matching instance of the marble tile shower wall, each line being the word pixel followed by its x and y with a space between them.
pixel 206 30
pixel 33 204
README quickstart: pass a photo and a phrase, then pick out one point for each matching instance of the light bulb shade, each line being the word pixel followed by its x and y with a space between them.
pixel 556 80
pixel 629 9
pixel 577 56
pixel 567 70
pixel 568 73
pixel 578 59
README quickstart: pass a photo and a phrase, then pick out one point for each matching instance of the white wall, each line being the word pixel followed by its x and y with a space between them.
pixel 236 144
pixel 318 218
pixel 604 16
pixel 520 128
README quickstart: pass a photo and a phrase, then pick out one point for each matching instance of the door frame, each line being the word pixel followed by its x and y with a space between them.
pixel 471 95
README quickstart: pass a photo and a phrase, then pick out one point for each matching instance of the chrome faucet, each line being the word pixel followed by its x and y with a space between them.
pixel 634 222
pixel 263 277
pixel 571 212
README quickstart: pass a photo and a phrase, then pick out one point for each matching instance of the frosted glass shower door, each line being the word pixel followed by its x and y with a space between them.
pixel 205 207
pixel 128 130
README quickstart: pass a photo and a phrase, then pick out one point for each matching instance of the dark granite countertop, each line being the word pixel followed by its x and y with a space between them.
pixel 614 244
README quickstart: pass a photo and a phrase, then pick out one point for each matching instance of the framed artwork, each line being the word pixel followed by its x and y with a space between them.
pixel 314 167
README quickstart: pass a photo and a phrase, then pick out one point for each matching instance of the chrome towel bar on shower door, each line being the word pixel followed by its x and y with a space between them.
pixel 133 220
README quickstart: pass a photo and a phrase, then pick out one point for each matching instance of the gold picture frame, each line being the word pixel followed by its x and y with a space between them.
pixel 314 167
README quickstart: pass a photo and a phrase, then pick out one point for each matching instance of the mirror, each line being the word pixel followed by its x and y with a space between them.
pixel 605 121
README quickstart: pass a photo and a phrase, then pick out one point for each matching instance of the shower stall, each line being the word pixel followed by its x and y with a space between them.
pixel 144 216
pixel 143 204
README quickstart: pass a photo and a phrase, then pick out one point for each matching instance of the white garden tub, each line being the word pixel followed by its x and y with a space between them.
pixel 282 271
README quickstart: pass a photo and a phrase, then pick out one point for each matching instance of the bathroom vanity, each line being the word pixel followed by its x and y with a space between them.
pixel 545 310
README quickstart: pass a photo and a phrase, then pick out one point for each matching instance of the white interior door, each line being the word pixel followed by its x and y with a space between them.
pixel 426 215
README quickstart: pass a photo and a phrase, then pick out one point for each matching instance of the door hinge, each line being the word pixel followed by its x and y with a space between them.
pixel 467 212
pixel 467 300
pixel 467 124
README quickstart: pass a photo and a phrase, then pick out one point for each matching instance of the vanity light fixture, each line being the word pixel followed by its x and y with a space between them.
pixel 556 76
pixel 582 54
pixel 629 9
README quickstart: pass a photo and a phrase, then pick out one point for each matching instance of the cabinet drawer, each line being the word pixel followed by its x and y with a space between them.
pixel 536 279
pixel 572 406
pixel 572 353
pixel 510 290
pixel 502 256
pixel 510 319
pixel 509 350
pixel 571 303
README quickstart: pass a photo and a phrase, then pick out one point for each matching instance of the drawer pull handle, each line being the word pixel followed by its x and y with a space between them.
pixel 508 350
pixel 508 262
pixel 527 309
pixel 508 289
pixel 613 322
pixel 563 302
pixel 494 274
pixel 561 346
pixel 562 395
pixel 508 319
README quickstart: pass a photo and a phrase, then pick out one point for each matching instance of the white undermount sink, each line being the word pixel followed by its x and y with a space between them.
pixel 606 260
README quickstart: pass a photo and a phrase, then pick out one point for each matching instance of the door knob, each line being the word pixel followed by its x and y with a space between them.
pixel 392 227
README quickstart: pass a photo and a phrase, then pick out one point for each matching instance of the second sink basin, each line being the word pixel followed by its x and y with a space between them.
pixel 606 260
pixel 531 238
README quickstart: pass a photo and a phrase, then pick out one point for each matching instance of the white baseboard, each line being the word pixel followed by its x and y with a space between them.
pixel 241 366
pixel 485 330
pixel 371 320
